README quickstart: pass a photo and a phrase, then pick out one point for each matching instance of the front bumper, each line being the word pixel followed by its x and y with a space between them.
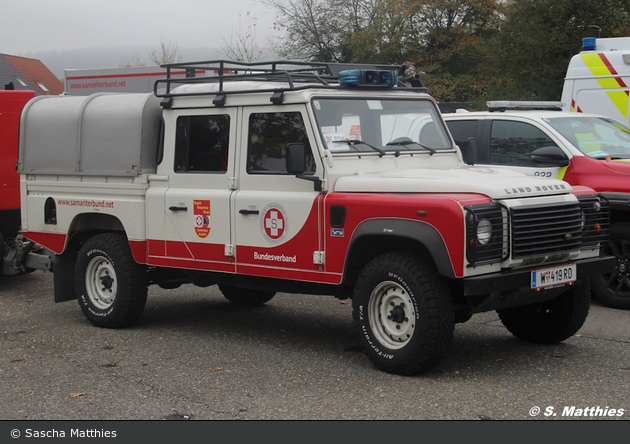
pixel 512 288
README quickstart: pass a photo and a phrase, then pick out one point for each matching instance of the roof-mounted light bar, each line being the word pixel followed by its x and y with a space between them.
pixel 368 77
pixel 502 105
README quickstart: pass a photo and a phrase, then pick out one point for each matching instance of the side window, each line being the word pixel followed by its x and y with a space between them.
pixel 511 143
pixel 462 130
pixel 269 135
pixel 201 144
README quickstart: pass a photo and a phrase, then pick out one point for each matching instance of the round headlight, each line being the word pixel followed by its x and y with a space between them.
pixel 484 231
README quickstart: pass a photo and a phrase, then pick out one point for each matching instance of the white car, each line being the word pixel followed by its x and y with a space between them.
pixel 581 149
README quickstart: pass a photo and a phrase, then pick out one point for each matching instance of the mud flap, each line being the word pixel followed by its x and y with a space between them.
pixel 63 273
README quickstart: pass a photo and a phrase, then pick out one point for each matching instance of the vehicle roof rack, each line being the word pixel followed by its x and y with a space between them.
pixel 502 105
pixel 298 76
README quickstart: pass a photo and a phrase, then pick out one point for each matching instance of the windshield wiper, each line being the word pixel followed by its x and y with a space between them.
pixel 405 141
pixel 360 142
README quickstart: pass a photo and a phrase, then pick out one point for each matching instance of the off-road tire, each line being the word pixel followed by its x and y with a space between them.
pixel 110 284
pixel 552 321
pixel 613 289
pixel 403 313
pixel 244 296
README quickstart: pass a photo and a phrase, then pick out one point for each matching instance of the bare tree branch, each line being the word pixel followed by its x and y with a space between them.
pixel 242 46
pixel 167 52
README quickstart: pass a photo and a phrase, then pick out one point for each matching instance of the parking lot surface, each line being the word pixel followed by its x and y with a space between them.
pixel 195 356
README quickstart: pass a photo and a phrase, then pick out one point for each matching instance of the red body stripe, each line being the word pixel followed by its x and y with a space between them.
pixel 52 241
pixel 612 70
pixel 119 76
pixel 294 259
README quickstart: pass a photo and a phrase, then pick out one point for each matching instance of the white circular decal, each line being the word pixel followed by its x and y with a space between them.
pixel 274 223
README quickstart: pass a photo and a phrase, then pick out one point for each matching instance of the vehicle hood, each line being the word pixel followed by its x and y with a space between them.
pixel 496 183
pixel 619 166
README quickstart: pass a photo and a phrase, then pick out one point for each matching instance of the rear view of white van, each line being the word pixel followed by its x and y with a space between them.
pixel 598 79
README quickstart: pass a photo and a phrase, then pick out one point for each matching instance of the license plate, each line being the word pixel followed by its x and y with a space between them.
pixel 549 277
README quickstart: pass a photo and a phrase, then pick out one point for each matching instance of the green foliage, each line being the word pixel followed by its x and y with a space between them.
pixel 539 37
pixel 470 50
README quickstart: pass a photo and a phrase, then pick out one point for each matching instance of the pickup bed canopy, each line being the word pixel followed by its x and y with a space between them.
pixel 102 134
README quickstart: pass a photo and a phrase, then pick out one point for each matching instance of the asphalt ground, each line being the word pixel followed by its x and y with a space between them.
pixel 195 356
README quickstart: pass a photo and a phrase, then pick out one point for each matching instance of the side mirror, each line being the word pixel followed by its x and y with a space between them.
pixel 296 158
pixel 550 156
pixel 296 164
pixel 470 151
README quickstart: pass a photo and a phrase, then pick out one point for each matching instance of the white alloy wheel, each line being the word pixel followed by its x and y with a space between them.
pixel 391 315
pixel 101 283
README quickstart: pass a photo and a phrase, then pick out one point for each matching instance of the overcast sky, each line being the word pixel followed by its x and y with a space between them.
pixel 44 25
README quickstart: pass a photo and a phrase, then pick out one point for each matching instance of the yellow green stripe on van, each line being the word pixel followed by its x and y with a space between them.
pixel 600 66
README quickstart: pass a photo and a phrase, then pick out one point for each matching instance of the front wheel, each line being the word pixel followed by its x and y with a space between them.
pixel 403 313
pixel 111 286
pixel 613 288
pixel 552 321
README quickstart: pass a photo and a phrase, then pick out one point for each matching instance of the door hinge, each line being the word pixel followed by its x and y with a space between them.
pixel 229 250
pixel 232 183
pixel 318 257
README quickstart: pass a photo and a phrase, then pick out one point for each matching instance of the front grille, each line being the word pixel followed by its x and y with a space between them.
pixel 546 229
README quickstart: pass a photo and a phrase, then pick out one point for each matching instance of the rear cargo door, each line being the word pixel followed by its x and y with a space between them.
pixel 197 231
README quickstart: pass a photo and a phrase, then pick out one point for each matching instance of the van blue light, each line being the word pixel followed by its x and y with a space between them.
pixel 589 44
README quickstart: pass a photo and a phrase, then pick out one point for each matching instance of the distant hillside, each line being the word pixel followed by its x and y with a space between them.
pixel 59 60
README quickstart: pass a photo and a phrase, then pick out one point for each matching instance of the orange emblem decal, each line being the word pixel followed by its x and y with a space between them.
pixel 202 217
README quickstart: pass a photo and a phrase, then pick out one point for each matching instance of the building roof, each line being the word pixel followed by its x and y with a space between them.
pixel 30 74
pixel 11 77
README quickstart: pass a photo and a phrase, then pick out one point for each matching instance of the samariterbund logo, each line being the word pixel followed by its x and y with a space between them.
pixel 274 223
pixel 202 217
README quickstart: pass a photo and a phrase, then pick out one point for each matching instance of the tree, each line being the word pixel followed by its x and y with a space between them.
pixel 318 30
pixel 242 46
pixel 454 47
pixel 471 50
pixel 537 39
pixel 167 52
pixel 133 61
pixel 444 38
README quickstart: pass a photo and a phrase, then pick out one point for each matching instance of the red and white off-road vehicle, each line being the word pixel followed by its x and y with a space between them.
pixel 303 178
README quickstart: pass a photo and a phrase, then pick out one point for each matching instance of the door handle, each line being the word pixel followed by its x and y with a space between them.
pixel 244 211
pixel 175 208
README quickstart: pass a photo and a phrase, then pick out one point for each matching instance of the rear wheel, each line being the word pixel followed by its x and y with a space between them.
pixel 613 288
pixel 552 321
pixel 111 286
pixel 403 313
pixel 246 297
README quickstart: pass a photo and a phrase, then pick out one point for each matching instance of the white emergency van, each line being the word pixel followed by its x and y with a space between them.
pixel 598 79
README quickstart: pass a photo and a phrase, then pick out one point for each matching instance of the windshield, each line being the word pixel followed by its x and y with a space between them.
pixel 597 137
pixel 383 126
